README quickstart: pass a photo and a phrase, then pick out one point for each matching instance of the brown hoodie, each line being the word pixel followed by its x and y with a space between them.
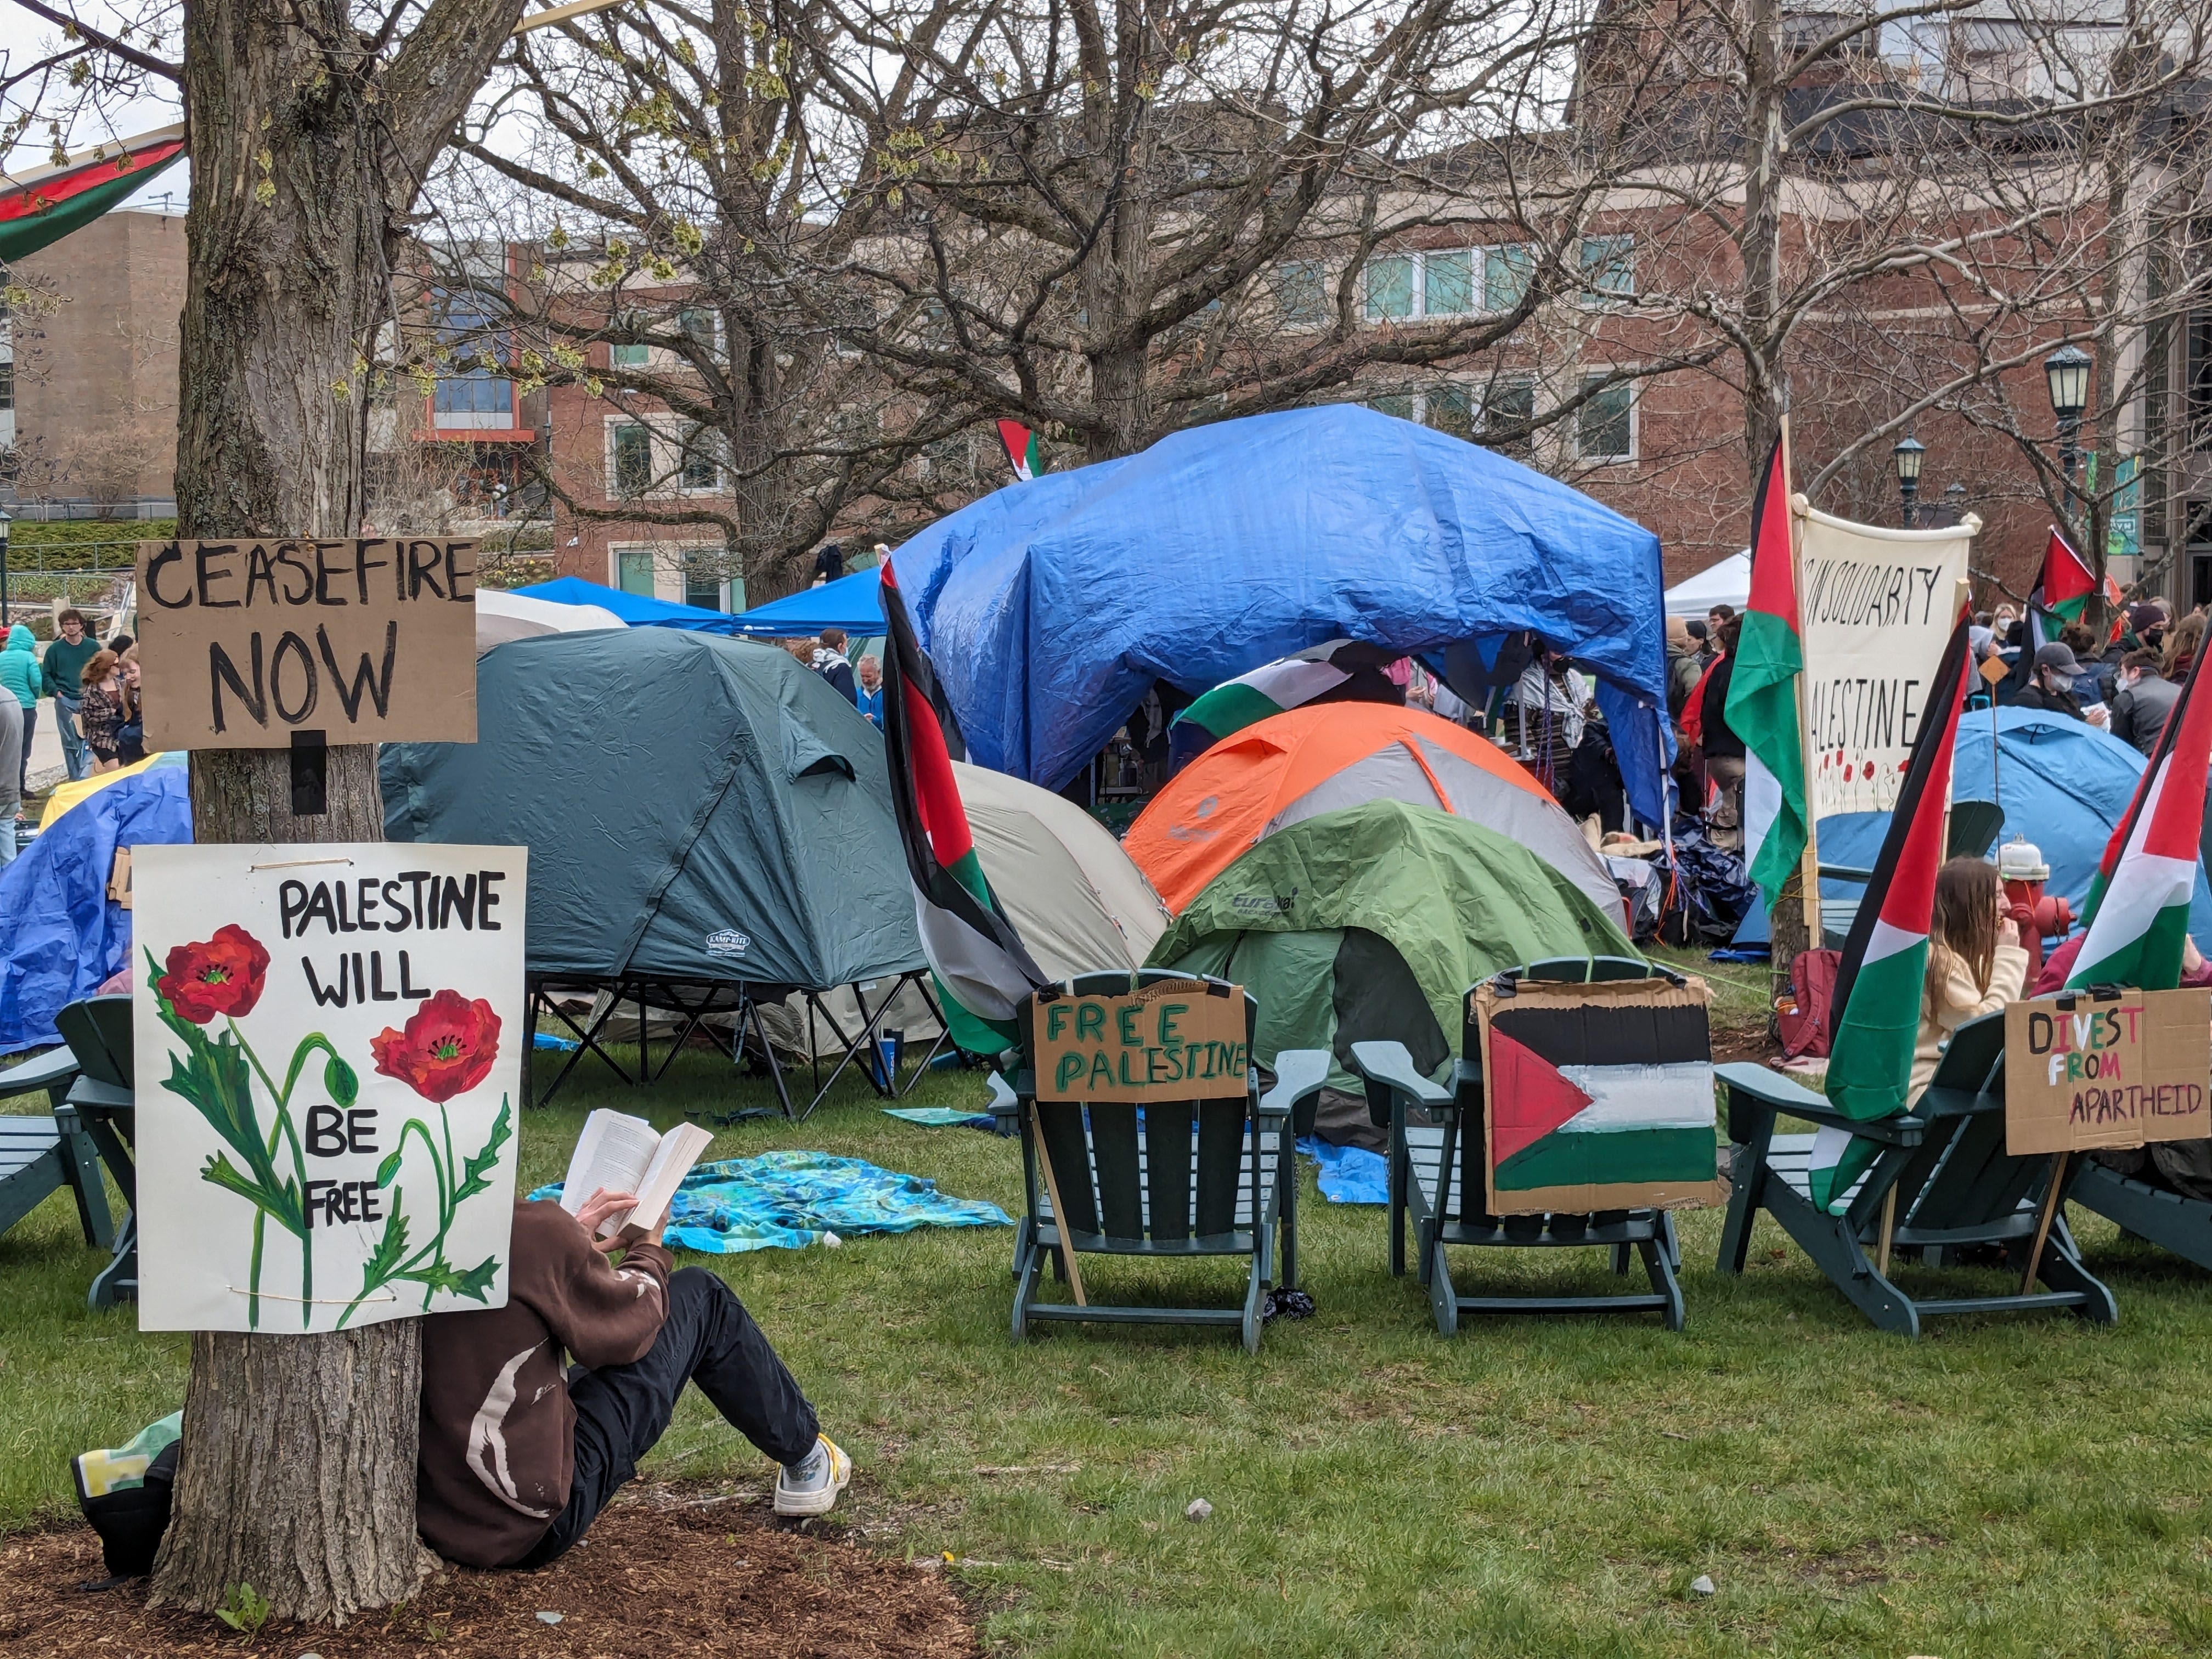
pixel 498 1442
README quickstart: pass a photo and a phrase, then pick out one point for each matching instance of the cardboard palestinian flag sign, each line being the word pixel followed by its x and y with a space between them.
pixel 1022 449
pixel 2138 905
pixel 1882 979
pixel 979 959
pixel 42 206
pixel 1762 701
pixel 1597 1095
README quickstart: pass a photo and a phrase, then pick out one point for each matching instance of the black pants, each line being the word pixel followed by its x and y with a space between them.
pixel 622 1410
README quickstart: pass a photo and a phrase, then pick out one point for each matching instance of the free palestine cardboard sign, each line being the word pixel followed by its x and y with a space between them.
pixel 328 1043
pixel 2113 1068
pixel 1170 1040
pixel 253 643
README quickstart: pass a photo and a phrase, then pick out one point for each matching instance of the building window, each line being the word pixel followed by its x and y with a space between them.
pixel 478 397
pixel 703 327
pixel 703 585
pixel 1302 298
pixel 1459 282
pixel 1609 265
pixel 2199 379
pixel 628 356
pixel 1605 426
pixel 8 383
pixel 1451 407
pixel 632 449
pixel 702 459
pixel 1508 406
pixel 634 569
pixel 1399 405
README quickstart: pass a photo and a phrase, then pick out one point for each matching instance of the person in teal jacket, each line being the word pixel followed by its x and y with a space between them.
pixel 21 675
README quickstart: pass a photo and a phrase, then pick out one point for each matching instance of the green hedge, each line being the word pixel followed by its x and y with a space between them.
pixel 70 532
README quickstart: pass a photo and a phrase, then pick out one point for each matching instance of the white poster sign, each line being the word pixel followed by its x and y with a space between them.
pixel 328 1043
pixel 1877 608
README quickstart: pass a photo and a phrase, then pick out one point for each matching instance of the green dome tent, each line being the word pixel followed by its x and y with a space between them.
pixel 1369 923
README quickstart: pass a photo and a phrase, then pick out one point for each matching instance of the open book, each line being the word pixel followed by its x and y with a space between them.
pixel 624 1154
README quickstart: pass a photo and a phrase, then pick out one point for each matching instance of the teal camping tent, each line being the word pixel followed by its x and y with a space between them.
pixel 696 809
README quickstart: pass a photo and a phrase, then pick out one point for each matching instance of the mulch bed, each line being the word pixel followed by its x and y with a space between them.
pixel 668 1572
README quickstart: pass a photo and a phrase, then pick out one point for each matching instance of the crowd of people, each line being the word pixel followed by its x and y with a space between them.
pixel 99 707
pixel 859 684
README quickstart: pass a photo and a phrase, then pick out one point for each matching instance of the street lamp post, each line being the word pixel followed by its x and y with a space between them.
pixel 2066 376
pixel 1954 501
pixel 1909 454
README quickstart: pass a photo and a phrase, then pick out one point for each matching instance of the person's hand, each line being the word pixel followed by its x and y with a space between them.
pixel 633 1234
pixel 2192 959
pixel 2007 931
pixel 2099 717
pixel 596 1209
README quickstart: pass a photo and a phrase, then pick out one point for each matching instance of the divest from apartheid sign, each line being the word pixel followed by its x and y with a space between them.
pixel 258 643
pixel 1876 607
pixel 328 1043
pixel 2107 1069
pixel 1174 1040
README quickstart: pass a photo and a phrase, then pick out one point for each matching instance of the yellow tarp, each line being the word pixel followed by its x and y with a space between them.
pixel 68 794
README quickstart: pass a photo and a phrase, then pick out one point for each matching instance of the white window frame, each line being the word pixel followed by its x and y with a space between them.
pixel 1479 256
pixel 683 446
pixel 1596 297
pixel 656 482
pixel 1478 411
pixel 1634 420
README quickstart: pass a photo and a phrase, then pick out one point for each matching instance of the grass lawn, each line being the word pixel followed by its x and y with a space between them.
pixel 2028 1487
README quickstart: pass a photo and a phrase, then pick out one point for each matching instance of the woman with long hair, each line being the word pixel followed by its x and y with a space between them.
pixel 1975 962
pixel 100 711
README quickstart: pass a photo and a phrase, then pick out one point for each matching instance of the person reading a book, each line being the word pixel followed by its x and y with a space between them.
pixel 521 1451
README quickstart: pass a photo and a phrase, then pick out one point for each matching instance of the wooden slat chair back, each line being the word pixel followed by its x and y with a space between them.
pixel 98 1031
pixel 1941 1190
pixel 43 1152
pixel 1439 1168
pixel 1198 1177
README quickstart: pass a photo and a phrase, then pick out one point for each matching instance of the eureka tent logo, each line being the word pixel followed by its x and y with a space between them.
pixel 1265 904
pixel 728 943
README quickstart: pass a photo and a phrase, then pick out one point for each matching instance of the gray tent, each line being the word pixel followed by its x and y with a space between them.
pixel 696 808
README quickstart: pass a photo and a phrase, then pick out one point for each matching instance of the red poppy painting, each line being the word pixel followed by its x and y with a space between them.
pixel 222 976
pixel 446 1050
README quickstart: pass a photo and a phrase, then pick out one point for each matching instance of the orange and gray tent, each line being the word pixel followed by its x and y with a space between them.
pixel 1292 766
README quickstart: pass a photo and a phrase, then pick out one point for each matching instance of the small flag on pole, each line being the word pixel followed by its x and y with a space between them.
pixel 2060 593
pixel 979 959
pixel 1022 449
pixel 1879 983
pixel 2138 912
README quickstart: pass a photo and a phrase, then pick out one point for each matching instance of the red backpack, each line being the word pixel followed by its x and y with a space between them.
pixel 1802 1020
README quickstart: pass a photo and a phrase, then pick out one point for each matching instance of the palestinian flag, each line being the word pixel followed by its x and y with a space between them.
pixel 1022 449
pixel 2061 592
pixel 1762 700
pixel 1335 671
pixel 45 204
pixel 2138 907
pixel 980 961
pixel 1599 1096
pixel 1883 975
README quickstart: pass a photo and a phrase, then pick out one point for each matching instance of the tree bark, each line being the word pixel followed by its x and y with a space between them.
pixel 1764 395
pixel 296 1472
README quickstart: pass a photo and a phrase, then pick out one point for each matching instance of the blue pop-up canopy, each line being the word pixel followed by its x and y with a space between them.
pixel 853 603
pixel 1049 607
pixel 638 610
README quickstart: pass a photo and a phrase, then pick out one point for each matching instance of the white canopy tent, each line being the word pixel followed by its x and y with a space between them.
pixel 1728 582
pixel 502 616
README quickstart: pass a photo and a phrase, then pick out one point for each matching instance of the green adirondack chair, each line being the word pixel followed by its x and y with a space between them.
pixel 97 1031
pixel 1194 1178
pixel 1942 1186
pixel 1438 1169
pixel 2165 1219
pixel 42 1152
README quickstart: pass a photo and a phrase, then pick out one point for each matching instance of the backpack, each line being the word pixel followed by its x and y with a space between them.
pixel 1802 1021
pixel 124 1493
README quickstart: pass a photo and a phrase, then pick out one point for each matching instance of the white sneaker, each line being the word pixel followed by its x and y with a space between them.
pixel 812 1488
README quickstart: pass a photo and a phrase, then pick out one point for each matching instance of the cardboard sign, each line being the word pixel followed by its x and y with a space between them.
pixel 2122 1070
pixel 248 644
pixel 329 1046
pixel 1176 1040
pixel 1597 1097
pixel 1876 607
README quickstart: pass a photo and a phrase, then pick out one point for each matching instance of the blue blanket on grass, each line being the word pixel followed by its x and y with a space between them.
pixel 787 1201
pixel 1349 1175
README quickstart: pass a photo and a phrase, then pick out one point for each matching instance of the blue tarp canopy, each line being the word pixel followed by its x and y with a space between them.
pixel 2062 784
pixel 1049 607
pixel 638 610
pixel 60 935
pixel 853 602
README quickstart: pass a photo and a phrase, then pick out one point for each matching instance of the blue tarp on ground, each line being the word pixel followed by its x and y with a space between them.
pixel 853 603
pixel 2062 784
pixel 638 610
pixel 60 935
pixel 1050 607
pixel 787 1201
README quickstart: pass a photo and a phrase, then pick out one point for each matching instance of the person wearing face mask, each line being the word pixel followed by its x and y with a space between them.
pixel 2051 686
pixel 2144 698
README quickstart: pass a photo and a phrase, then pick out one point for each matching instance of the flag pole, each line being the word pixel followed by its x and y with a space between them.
pixel 1808 865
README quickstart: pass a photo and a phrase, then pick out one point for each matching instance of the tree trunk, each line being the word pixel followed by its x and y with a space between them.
pixel 1759 238
pixel 296 1473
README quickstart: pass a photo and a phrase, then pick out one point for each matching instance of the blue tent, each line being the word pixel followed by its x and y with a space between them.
pixel 638 610
pixel 853 602
pixel 60 935
pixel 2062 784
pixel 1050 607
